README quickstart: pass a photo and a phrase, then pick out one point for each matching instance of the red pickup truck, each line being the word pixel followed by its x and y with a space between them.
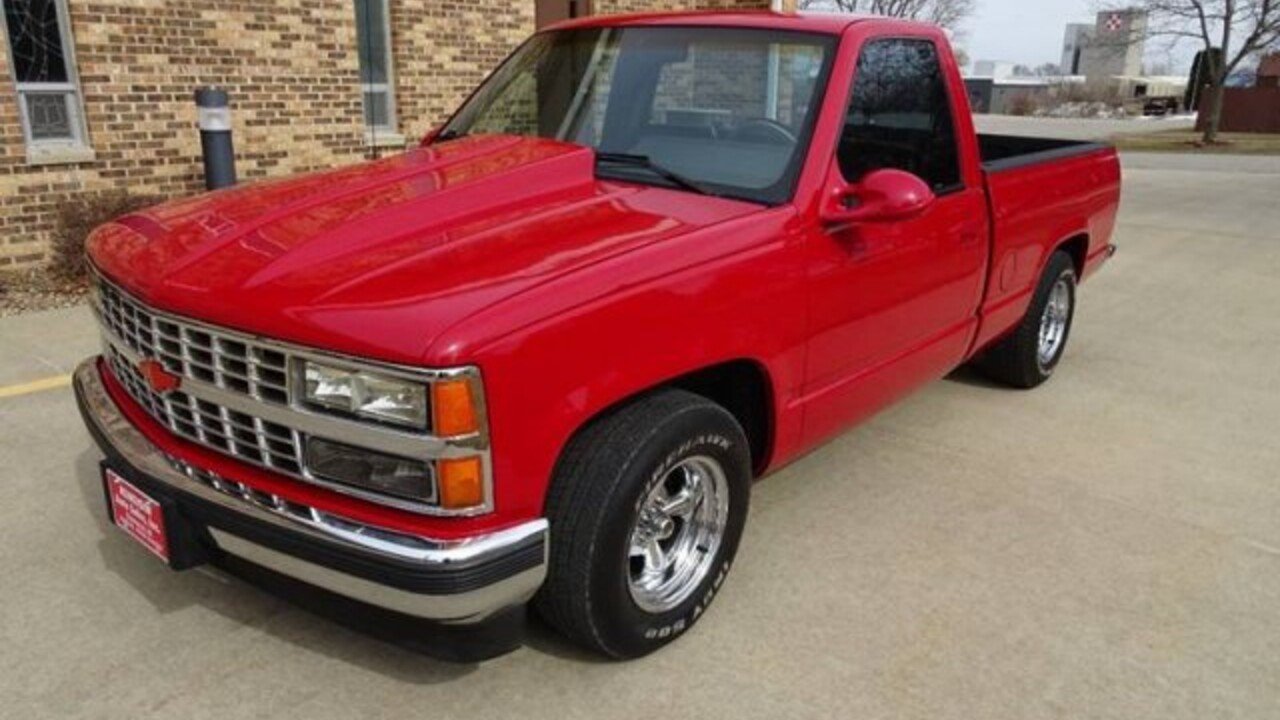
pixel 543 356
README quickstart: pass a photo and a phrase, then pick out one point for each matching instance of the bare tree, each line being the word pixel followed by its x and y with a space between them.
pixel 1239 29
pixel 947 13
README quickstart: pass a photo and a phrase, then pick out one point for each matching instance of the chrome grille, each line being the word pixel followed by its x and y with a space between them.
pixel 395 543
pixel 264 500
pixel 198 352
pixel 241 435
pixel 235 398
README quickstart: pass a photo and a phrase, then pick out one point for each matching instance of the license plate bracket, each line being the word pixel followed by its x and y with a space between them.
pixel 151 518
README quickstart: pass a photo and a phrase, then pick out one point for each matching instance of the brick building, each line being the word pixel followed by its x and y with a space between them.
pixel 96 95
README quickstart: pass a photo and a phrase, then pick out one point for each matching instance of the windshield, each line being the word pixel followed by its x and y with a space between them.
pixel 729 111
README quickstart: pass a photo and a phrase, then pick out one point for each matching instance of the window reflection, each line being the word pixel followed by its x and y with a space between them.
pixel 900 115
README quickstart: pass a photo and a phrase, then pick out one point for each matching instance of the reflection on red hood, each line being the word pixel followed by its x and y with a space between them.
pixel 379 259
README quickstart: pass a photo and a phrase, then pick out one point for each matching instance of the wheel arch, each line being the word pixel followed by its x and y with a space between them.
pixel 1077 247
pixel 742 386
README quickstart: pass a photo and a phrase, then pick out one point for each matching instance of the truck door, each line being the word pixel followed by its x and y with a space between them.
pixel 893 304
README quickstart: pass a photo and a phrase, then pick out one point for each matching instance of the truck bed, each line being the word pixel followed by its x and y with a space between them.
pixel 1042 193
pixel 1005 152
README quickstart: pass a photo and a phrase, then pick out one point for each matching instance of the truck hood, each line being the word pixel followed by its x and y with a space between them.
pixel 380 259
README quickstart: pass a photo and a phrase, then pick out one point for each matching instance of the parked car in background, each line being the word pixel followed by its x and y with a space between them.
pixel 543 356
pixel 1161 106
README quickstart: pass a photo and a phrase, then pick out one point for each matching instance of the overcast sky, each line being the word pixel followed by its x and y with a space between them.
pixel 1030 32
pixel 1024 31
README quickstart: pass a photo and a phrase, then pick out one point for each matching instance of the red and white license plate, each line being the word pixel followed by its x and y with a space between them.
pixel 138 514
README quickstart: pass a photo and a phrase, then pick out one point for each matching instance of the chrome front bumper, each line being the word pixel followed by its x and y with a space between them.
pixel 452 581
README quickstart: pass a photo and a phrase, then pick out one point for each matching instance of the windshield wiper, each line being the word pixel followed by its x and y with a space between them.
pixel 643 162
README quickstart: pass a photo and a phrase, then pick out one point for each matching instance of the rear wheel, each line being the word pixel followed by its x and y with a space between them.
pixel 646 510
pixel 1028 356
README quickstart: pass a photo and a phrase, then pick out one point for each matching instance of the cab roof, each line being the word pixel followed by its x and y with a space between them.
pixel 825 23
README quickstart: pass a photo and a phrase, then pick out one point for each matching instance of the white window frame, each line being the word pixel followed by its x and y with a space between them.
pixel 60 150
pixel 387 134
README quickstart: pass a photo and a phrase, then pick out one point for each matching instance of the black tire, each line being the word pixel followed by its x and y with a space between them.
pixel 601 481
pixel 1015 360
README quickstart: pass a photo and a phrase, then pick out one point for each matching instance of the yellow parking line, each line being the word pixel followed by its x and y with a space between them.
pixel 35 386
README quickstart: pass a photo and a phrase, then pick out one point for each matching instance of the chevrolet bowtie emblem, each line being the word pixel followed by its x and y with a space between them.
pixel 161 381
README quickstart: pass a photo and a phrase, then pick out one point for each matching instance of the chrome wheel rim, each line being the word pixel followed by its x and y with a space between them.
pixel 676 534
pixel 1053 323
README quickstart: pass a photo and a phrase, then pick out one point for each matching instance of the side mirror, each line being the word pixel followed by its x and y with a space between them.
pixel 430 137
pixel 883 195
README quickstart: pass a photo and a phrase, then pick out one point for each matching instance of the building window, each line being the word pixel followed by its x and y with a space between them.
pixel 43 65
pixel 373 38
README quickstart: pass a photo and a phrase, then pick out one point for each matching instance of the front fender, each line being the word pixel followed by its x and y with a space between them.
pixel 559 354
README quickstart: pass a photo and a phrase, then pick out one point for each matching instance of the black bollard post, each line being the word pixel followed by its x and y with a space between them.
pixel 214 118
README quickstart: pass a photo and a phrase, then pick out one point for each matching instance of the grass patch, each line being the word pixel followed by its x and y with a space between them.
pixel 77 218
pixel 34 289
pixel 63 280
pixel 1188 141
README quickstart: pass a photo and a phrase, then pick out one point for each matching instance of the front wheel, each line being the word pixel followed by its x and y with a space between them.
pixel 1028 356
pixel 646 510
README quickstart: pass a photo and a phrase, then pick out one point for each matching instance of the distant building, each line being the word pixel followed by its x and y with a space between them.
pixel 1269 71
pixel 1011 95
pixel 1137 87
pixel 1115 48
pixel 1077 37
pixel 993 69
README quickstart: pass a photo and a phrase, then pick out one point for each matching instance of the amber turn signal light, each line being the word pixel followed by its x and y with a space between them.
pixel 461 483
pixel 453 408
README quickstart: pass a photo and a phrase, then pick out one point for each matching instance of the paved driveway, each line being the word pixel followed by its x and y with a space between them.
pixel 1106 546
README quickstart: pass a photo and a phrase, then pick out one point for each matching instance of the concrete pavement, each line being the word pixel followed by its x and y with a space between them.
pixel 1077 128
pixel 1107 546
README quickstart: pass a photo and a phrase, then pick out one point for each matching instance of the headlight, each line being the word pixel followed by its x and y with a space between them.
pixel 401 477
pixel 448 405
pixel 368 395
